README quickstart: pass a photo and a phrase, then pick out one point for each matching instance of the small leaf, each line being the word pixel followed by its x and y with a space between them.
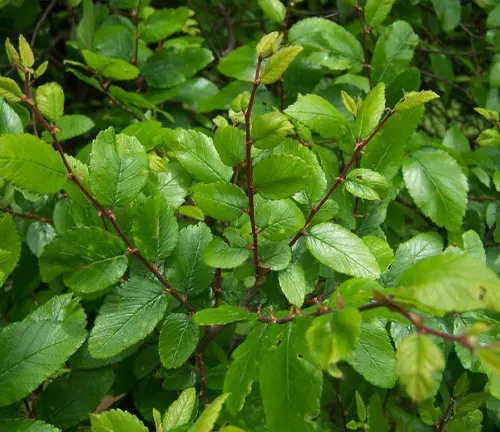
pixel 274 10
pixel 230 144
pixel 10 249
pixel 360 408
pixel 178 339
pixel 26 53
pixel 218 254
pixel 418 363
pixel 9 90
pixel 268 41
pixel 413 99
pixel 349 103
pixel 50 101
pixel 370 112
pixel 278 64
pixel 269 130
pixel 366 184
pixel 112 68
pixel 224 314
pixel 12 53
pixel 448 12
pixel 180 412
pixel 206 421
pixel 220 200
pixel 293 284
pixel 116 420
pixel 376 11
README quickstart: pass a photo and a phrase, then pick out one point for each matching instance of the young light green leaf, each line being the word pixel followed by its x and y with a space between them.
pixel 413 99
pixel 218 254
pixel 278 64
pixel 178 339
pixel 270 129
pixel 349 103
pixel 376 11
pixel 268 42
pixel 221 200
pixel 181 411
pixel 342 251
pixel 27 56
pixel 127 316
pixel 9 90
pixel 50 101
pixel 370 113
pixel 34 350
pixel 280 176
pixel 274 10
pixel 489 115
pixel 10 250
pixel 116 420
pixel 418 364
pixel 27 425
pixel 197 155
pixel 89 258
pixel 452 282
pixel 224 314
pixel 31 164
pixel 206 421
pixel 437 185
pixel 119 168
pixel 366 184
pixel 12 53
pixel 360 407
pixel 293 284
pixel 374 356
pixel 155 229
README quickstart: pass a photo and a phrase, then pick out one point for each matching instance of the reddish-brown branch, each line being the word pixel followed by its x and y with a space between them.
pixel 360 146
pixel 217 286
pixel 102 210
pixel 25 215
pixel 201 372
pixel 364 32
pixel 28 93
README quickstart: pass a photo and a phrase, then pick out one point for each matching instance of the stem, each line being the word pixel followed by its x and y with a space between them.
pixel 25 215
pixel 201 371
pixel 104 88
pixel 443 421
pixel 360 146
pixel 284 30
pixel 102 210
pixel 28 93
pixel 217 286
pixel 40 21
pixel 248 166
pixel 364 31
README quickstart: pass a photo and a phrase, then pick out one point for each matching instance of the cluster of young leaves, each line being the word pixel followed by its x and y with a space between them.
pixel 307 260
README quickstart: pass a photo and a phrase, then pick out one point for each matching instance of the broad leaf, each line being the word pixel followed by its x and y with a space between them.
pixel 376 11
pixel 341 250
pixel 34 350
pixel 218 254
pixel 207 419
pixel 269 130
pixel 127 316
pixel 90 259
pixel 10 122
pixel 274 10
pixel 116 420
pixel 9 90
pixel 438 186
pixel 239 63
pixel 275 255
pixel 278 64
pixel 448 12
pixel 222 201
pixel 50 101
pixel 366 184
pixel 278 219
pixel 230 144
pixel 293 284
pixel 178 339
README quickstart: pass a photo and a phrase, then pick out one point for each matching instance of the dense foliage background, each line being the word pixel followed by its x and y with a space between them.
pixel 248 215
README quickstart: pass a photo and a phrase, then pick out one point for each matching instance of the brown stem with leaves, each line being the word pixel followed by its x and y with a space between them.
pixel 131 249
pixel 360 146
pixel 25 215
pixel 365 30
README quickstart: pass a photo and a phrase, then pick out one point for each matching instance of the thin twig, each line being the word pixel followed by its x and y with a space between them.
pixel 443 421
pixel 341 405
pixel 104 88
pixel 217 287
pixel 40 21
pixel 201 372
pixel 25 215
pixel 365 30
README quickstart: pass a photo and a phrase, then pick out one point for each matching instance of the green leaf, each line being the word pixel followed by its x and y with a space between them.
pixel 39 234
pixel 224 314
pixel 448 12
pixel 360 407
pixel 370 113
pixel 319 115
pixel 115 41
pixel 31 163
pixel 275 255
pixel 376 416
pixel 393 52
pixel 380 250
pixel 68 399
pixel 62 308
pixel 376 11
pixel 10 122
pixel 89 258
pixel 332 338
pixel 239 63
pixel 116 420
pixel 349 103
pixel 244 369
pixel 86 27
pixel 163 23
pixel 206 421
pixel 119 168
pixel 34 350
pixel 452 282
pixel 269 130
pixel 278 219
pixel 127 316
pixel 489 138
pixel 493 19
pixel 342 251
pixel 386 152
pixel 274 10
pixel 293 284
pixel 280 176
pixel 27 56
pixel 230 144
pixel 414 99
pixel 171 66
pixel 112 68
pixel 180 412
pixel 178 339
pixel 197 155
pixel 221 200
pixel 9 90
pixel 374 356
pixel 10 250
pixel 50 101
pixel 71 126
pixel 155 229
pixel 26 425
pixel 218 254
pixel 284 370
pixel 172 185
pixel 366 184
pixel 188 272
pixel 437 185
pixel 278 64
pixel 270 42
pixel 419 362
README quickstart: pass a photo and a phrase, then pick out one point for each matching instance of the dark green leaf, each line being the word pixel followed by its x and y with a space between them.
pixel 178 339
